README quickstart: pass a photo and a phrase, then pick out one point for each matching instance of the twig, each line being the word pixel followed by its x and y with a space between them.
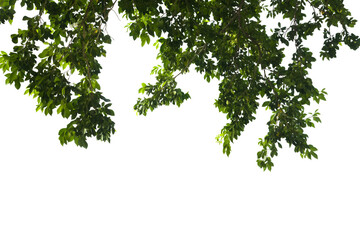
pixel 233 18
pixel 273 88
pixel 192 59
pixel 83 46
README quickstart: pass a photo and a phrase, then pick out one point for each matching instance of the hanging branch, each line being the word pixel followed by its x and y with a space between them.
pixel 84 46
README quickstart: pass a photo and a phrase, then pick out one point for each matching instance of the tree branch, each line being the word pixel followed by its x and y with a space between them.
pixel 83 46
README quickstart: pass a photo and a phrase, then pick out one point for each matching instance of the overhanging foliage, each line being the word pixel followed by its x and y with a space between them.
pixel 227 40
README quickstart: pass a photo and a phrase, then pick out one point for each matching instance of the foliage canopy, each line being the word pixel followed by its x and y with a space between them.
pixel 224 39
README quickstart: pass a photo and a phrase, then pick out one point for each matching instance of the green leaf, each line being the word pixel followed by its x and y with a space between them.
pixel 4 3
pixel 45 53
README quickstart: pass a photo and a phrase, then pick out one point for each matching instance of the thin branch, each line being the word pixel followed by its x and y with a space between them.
pixel 254 41
pixel 83 46
pixel 199 50
pixel 105 14
pixel 273 88
pixel 234 17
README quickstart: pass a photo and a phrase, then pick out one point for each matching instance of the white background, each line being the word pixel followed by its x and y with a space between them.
pixel 164 176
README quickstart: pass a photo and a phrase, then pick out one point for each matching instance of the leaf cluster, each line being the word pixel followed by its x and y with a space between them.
pixel 73 37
